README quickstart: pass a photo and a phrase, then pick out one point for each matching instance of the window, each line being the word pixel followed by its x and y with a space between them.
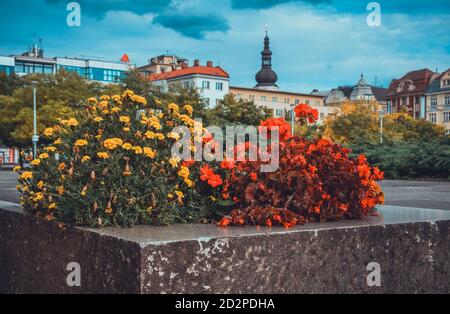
pixel 297 101
pixel 251 97
pixel 322 116
pixel 403 101
pixel 219 86
pixel 263 98
pixel 186 84
pixel 447 116
pixel 433 102
pixel 279 112
pixel 286 100
pixel 446 82
pixel 447 100
pixel 218 101
pixel 432 117
pixel 307 102
pixel 208 102
pixel 274 99
pixel 205 85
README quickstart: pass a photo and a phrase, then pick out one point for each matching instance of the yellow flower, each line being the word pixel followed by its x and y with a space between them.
pixel 127 146
pixel 149 152
pixel 92 100
pixel 170 195
pixel 173 107
pixel 127 93
pixel 124 119
pixel 36 162
pixel 188 109
pixel 72 122
pixel 184 172
pixel 49 132
pixel 52 206
pixel 173 162
pixel 85 158
pixel 126 129
pixel 112 143
pixel 160 136
pixel 154 122
pixel 173 135
pixel 57 142
pixel 17 168
pixel 60 190
pixel 61 166
pixel 103 155
pixel 80 143
pixel 179 194
pixel 26 175
pixel 40 184
pixel 137 150
pixel 187 120
pixel 43 156
pixel 115 109
pixel 150 135
pixel 105 97
pixel 189 182
pixel 98 119
pixel 50 148
pixel 139 99
pixel 116 97
pixel 105 111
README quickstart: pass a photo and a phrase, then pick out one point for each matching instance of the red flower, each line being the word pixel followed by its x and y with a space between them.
pixel 253 176
pixel 284 128
pixel 207 174
pixel 306 113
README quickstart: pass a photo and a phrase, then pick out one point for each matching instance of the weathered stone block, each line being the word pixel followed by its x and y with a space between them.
pixel 411 246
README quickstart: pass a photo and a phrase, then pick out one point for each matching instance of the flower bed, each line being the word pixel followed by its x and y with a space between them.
pixel 112 165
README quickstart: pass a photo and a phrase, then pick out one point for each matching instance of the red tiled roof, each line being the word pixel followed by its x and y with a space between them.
pixel 201 70
pixel 421 79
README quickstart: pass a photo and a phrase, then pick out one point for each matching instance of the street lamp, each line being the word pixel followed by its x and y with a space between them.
pixel 381 112
pixel 35 137
pixel 292 118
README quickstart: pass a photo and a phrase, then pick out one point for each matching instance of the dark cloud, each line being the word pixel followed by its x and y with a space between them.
pixel 194 26
pixel 98 8
pixel 265 4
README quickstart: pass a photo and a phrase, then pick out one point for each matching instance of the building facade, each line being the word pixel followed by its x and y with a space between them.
pixel 162 64
pixel 408 93
pixel 362 91
pixel 33 61
pixel 212 82
pixel 266 92
pixel 438 101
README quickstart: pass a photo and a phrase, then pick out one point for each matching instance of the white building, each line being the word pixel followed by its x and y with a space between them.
pixel 212 82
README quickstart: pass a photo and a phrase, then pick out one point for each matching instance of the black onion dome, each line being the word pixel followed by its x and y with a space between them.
pixel 266 77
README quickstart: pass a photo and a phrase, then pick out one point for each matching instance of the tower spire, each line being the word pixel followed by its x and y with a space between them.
pixel 266 77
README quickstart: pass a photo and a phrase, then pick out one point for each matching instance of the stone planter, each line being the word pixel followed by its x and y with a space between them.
pixel 411 247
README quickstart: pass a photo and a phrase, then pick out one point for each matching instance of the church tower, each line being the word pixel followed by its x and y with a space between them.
pixel 266 77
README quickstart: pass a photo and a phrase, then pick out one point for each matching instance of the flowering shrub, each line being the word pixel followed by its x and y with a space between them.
pixel 316 181
pixel 112 165
pixel 305 114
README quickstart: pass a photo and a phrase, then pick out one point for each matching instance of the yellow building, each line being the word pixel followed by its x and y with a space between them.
pixel 281 101
pixel 438 101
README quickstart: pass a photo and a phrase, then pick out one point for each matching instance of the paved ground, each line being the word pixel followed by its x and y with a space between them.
pixel 421 194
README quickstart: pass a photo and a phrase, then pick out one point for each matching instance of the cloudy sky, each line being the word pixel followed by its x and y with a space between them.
pixel 315 43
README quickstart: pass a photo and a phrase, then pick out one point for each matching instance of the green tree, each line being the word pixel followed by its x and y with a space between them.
pixel 59 95
pixel 232 111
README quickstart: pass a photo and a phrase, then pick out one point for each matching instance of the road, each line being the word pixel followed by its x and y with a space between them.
pixel 421 194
